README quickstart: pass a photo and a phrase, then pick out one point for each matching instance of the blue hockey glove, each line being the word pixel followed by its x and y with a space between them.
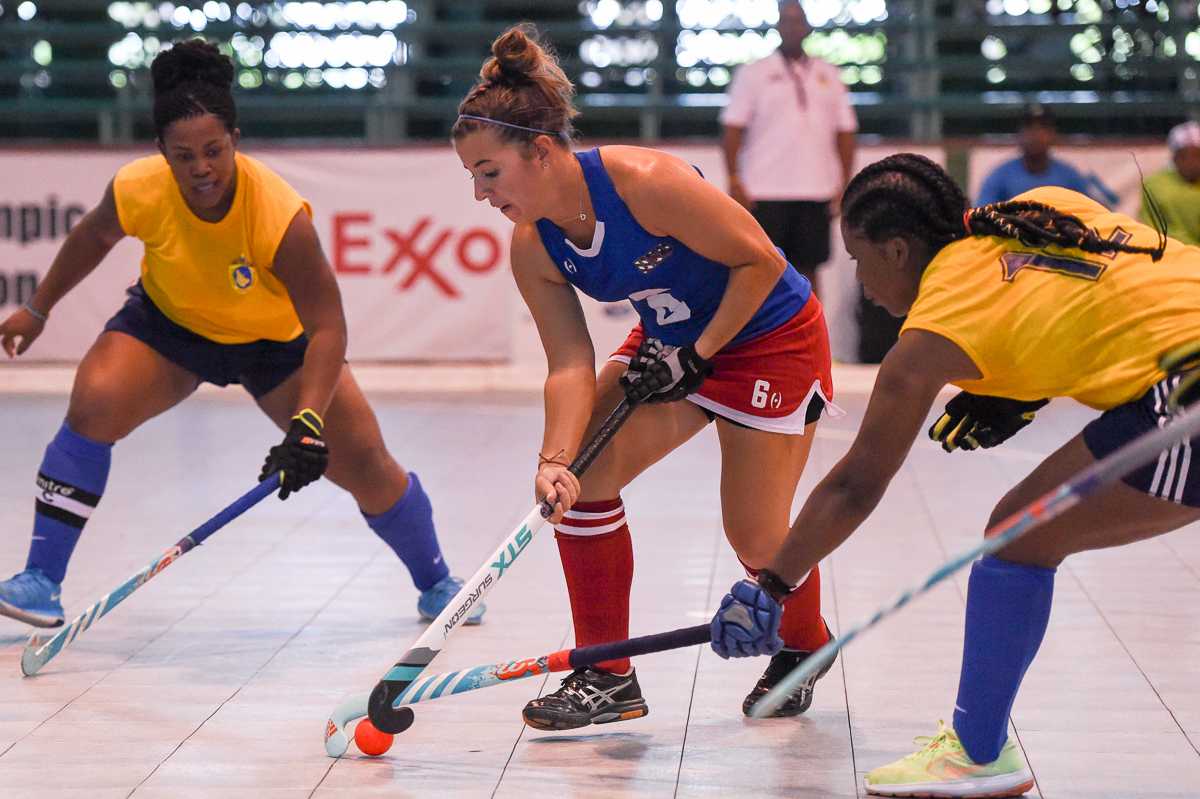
pixel 664 374
pixel 747 623
pixel 1185 361
pixel 975 420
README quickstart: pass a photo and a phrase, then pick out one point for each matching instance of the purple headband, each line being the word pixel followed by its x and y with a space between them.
pixel 511 125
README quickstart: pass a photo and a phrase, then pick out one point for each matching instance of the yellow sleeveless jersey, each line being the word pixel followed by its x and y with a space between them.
pixel 1060 322
pixel 216 279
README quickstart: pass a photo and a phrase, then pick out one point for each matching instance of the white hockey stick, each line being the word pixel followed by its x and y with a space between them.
pixel 1136 453
pixel 380 702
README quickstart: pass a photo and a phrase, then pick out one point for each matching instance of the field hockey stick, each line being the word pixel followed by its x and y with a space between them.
pixel 379 702
pixel 436 686
pixel 38 651
pixel 1136 453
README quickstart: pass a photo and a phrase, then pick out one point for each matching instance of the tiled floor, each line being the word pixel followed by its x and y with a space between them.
pixel 216 678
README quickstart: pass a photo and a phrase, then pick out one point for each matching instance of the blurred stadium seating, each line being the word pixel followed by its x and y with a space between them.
pixel 387 71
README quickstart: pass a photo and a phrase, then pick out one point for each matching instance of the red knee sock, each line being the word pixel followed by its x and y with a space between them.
pixel 802 626
pixel 597 557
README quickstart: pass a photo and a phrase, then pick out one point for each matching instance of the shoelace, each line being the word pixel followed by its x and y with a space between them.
pixel 779 667
pixel 573 678
pixel 933 741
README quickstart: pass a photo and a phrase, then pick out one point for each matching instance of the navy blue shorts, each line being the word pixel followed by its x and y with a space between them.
pixel 260 365
pixel 1171 476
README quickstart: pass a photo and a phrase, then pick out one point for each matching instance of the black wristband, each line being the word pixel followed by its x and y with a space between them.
pixel 693 363
pixel 774 585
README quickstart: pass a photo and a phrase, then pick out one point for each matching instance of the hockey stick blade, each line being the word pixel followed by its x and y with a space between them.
pixel 380 708
pixel 1136 453
pixel 422 689
pixel 379 703
pixel 436 686
pixel 38 650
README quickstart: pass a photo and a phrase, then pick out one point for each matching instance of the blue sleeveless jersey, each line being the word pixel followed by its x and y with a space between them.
pixel 674 290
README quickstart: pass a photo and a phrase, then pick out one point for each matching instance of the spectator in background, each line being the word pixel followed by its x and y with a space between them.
pixel 789 143
pixel 1034 167
pixel 1175 189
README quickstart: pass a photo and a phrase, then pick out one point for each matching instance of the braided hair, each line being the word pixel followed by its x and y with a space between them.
pixel 192 78
pixel 1038 225
pixel 906 195
pixel 909 195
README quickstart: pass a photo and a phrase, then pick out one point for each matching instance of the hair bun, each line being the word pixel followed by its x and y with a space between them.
pixel 191 61
pixel 517 58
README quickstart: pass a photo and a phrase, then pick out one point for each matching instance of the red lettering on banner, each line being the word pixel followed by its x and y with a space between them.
pixel 477 251
pixel 422 261
pixel 403 243
pixel 343 242
pixel 489 239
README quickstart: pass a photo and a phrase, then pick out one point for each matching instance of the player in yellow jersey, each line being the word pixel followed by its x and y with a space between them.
pixel 1049 295
pixel 234 289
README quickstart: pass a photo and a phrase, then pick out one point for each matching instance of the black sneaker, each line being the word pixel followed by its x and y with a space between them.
pixel 587 696
pixel 781 666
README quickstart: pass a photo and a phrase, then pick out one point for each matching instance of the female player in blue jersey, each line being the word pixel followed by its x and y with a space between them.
pixel 724 323
pixel 1050 295
pixel 234 289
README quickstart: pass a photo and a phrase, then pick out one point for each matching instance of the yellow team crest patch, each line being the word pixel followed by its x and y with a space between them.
pixel 241 274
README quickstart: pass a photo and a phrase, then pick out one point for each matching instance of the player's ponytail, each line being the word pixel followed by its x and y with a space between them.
pixel 523 89
pixel 909 195
pixel 192 78
pixel 1039 225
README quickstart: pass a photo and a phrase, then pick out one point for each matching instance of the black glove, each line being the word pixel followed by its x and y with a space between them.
pixel 975 420
pixel 302 457
pixel 1185 361
pixel 664 374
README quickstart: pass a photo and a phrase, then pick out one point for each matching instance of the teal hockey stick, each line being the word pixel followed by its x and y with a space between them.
pixel 1136 453
pixel 39 650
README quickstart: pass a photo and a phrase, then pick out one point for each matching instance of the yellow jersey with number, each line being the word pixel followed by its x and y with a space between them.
pixel 1057 322
pixel 216 279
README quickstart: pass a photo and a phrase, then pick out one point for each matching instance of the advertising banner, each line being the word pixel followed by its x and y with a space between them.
pixel 423 268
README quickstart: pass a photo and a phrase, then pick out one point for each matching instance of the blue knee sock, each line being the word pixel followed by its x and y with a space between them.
pixel 407 527
pixel 70 482
pixel 1008 608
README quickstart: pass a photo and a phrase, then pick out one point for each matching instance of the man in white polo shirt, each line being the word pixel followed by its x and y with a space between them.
pixel 789 143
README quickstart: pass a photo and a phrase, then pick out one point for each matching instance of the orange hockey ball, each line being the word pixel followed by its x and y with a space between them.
pixel 371 741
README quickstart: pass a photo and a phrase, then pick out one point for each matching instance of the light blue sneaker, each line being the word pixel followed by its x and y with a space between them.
pixel 32 598
pixel 433 601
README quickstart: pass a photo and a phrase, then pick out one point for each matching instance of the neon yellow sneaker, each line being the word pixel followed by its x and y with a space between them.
pixel 942 768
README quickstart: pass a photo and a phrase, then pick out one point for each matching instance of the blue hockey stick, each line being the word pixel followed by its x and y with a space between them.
pixel 1136 453
pixel 39 650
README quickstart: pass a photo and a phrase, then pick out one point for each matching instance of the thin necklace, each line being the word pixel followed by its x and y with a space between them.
pixel 582 217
